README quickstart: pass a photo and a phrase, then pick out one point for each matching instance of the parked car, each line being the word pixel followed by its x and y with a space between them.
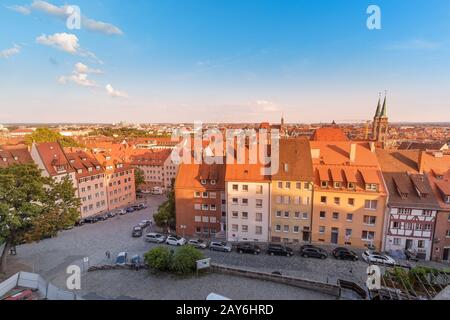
pixel 220 246
pixel 155 237
pixel 313 252
pixel 79 223
pixel 145 223
pixel 248 248
pixel 411 255
pixel 175 240
pixel 130 209
pixel 90 220
pixel 137 232
pixel 121 212
pixel 103 217
pixel 198 243
pixel 139 206
pixel 279 250
pixel 146 191
pixel 342 253
pixel 378 258
pixel 111 214
pixel 157 190
pixel 121 258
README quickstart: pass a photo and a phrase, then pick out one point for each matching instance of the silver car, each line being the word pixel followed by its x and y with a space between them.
pixel 197 243
pixel 155 237
pixel 220 246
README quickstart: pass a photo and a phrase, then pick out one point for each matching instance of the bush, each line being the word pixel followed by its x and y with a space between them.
pixel 184 259
pixel 159 258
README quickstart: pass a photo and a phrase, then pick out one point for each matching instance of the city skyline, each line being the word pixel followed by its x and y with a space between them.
pixel 222 61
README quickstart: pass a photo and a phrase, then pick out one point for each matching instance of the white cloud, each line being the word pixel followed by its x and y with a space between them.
pixel 89 24
pixel 10 52
pixel 82 68
pixel 66 42
pixel 63 41
pixel 20 9
pixel 80 79
pixel 79 76
pixel 115 93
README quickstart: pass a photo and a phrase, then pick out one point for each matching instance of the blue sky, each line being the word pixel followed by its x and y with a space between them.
pixel 223 60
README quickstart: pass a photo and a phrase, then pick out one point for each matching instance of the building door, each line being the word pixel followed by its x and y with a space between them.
pixel 409 244
pixel 334 235
pixel 305 236
pixel 446 256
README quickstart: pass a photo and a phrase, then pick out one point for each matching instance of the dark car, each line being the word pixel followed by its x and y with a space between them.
pixel 341 253
pixel 90 220
pixel 102 217
pixel 79 223
pixel 139 206
pixel 313 252
pixel 279 250
pixel 137 232
pixel 130 209
pixel 248 248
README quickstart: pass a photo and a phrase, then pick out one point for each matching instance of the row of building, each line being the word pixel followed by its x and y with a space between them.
pixel 328 190
pixel 102 181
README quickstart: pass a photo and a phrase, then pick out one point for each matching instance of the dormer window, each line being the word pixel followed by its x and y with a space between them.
pixel 203 182
pixel 447 199
pixel 371 187
pixel 4 159
pixel 213 182
pixel 60 168
pixel 79 170
pixel 16 158
pixel 324 184
pixel 97 167
pixel 351 186
pixel 337 185
pixel 90 169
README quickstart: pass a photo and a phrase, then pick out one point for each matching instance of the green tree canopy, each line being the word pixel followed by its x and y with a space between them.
pixel 166 215
pixel 139 178
pixel 184 260
pixel 48 135
pixel 159 258
pixel 33 206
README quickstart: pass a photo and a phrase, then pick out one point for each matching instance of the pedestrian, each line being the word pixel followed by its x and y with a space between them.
pixel 108 255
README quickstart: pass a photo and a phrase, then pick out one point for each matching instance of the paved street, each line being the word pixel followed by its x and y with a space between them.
pixel 51 257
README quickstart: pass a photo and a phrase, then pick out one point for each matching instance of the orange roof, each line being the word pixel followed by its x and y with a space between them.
pixel 329 134
pixel 53 156
pixel 369 175
pixel 295 162
pixel 150 157
pixel 84 164
pixel 190 176
pixel 10 155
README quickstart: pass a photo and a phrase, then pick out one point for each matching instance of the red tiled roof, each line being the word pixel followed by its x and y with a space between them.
pixel 329 134
pixel 84 164
pixel 10 155
pixel 53 155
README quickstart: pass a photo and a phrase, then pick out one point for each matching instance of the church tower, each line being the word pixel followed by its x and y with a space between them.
pixel 380 123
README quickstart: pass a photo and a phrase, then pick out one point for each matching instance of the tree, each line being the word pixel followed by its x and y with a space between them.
pixel 48 135
pixel 166 214
pixel 139 178
pixel 159 258
pixel 33 206
pixel 185 259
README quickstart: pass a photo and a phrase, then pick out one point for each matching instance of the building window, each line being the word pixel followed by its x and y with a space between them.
pixel 245 187
pixel 335 215
pixel 298 185
pixel 212 195
pixel 322 229
pixel 235 187
pixel 280 184
pixel 197 194
pixel 286 214
pixel 244 228
pixel 197 206
pixel 371 187
pixel 235 228
pixel 212 219
pixel 278 214
pixel 370 220
pixel 205 219
pixel 288 185
pixel 278 199
pixel 245 215
pixel 235 201
pixel 297 215
pixel 337 185
pixel 323 199
pixel 286 228
pixel 322 214
pixel 351 202
pixel 259 189
pixel 258 230
pixel 397 241
pixel 297 200
pixel 351 186
pixel 205 207
pixel 324 184
pixel 349 216
pixel 337 201
pixel 396 225
pixel 307 186
pixel 212 207
pixel 447 199
pixel 448 234
pixel 258 216
pixel 286 199
pixel 367 235
pixel 203 182
pixel 305 215
pixel 371 204
pixel 235 214
pixel 259 203
pixel 213 182
pixel 296 229
pixel 198 229
pixel 421 244
pixel 278 228
pixel 205 195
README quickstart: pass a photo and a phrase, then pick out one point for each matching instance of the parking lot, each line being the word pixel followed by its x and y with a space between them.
pixel 51 257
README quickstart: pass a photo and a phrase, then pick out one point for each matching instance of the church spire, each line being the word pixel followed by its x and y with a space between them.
pixel 384 109
pixel 378 112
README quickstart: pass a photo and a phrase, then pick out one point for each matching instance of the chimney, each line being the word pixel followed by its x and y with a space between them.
pixel 353 152
pixel 315 153
pixel 372 146
pixel 421 161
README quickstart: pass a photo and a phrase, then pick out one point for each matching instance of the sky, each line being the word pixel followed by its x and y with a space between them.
pixel 150 61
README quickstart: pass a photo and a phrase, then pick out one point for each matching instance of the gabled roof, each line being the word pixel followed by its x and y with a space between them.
pixel 295 156
pixel 84 164
pixel 52 155
pixel 10 155
pixel 329 134
pixel 190 176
